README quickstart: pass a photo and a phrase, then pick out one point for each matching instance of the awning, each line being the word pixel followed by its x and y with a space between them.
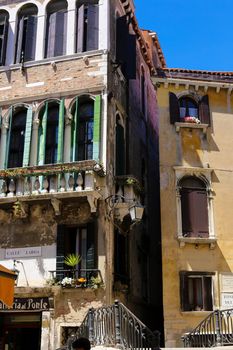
pixel 7 283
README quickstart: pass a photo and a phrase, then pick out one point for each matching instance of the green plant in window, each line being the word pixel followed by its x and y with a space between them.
pixel 72 260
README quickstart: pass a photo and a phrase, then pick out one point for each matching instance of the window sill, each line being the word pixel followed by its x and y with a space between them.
pixel 196 313
pixel 56 59
pixel 179 125
pixel 195 240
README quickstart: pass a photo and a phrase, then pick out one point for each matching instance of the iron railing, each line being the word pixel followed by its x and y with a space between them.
pixel 215 330
pixel 115 325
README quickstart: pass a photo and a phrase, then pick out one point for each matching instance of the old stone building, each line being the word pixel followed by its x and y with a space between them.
pixel 78 149
pixel 196 181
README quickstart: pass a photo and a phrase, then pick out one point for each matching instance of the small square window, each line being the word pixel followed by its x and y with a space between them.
pixel 196 291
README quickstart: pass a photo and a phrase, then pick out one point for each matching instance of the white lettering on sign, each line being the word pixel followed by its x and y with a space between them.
pixel 227 300
pixel 22 252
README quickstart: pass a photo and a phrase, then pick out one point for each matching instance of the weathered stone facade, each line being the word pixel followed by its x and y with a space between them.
pixel 53 208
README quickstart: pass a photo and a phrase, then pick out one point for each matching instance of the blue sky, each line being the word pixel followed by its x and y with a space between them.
pixel 195 34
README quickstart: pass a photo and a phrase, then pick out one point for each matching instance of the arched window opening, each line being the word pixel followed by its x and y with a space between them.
pixel 56 31
pixel 26 34
pixel 194 207
pixel 51 141
pixel 84 120
pixel 4 24
pixel 87 26
pixel 188 107
pixel 143 90
pixel 120 148
pixel 17 138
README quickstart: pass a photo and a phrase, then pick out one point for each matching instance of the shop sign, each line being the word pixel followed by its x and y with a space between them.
pixel 22 252
pixel 27 304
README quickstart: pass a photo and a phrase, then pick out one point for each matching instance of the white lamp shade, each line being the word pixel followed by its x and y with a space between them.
pixel 136 212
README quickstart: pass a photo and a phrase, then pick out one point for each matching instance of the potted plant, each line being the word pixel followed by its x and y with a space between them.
pixel 72 260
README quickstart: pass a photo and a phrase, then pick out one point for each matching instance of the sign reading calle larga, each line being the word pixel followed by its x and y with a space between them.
pixel 27 304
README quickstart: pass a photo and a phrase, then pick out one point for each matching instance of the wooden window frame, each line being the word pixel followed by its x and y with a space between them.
pixel 189 303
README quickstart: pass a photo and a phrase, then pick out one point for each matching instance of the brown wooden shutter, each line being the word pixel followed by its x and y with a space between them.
pixel 80 28
pixel 19 40
pixel 184 300
pixel 194 213
pixel 204 110
pixel 174 108
pixel 3 41
pixel 92 27
pixel 200 224
pixel 186 209
pixel 30 40
pixel 207 293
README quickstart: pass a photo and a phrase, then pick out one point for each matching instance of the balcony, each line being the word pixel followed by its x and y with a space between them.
pixel 128 192
pixel 54 182
pixel 81 278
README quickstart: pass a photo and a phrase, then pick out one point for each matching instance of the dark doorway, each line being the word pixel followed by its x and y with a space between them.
pixel 20 331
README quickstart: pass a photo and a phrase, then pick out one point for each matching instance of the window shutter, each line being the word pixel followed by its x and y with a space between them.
pixel 30 44
pixel 184 299
pixel 186 210
pixel 92 27
pixel 51 34
pixel 8 138
pixel 204 110
pixel 201 224
pixel 80 29
pixel 74 133
pixel 60 33
pixel 4 37
pixel 207 293
pixel 61 132
pixel 60 250
pixel 42 136
pixel 27 139
pixel 90 253
pixel 96 133
pixel 125 48
pixel 121 41
pixel 19 40
pixel 174 108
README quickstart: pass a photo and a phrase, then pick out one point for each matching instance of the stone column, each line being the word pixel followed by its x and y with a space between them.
pixel 45 331
pixel 41 33
pixel 10 53
pixel 34 141
pixel 71 30
pixel 67 138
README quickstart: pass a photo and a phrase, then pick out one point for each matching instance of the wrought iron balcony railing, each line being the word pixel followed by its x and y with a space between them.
pixel 215 330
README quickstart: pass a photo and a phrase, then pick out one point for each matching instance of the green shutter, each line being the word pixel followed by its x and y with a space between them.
pixel 27 138
pixel 8 138
pixel 74 133
pixel 96 132
pixel 0 116
pixel 60 146
pixel 42 136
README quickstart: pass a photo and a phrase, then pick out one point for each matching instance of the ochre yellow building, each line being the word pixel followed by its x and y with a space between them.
pixel 196 181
